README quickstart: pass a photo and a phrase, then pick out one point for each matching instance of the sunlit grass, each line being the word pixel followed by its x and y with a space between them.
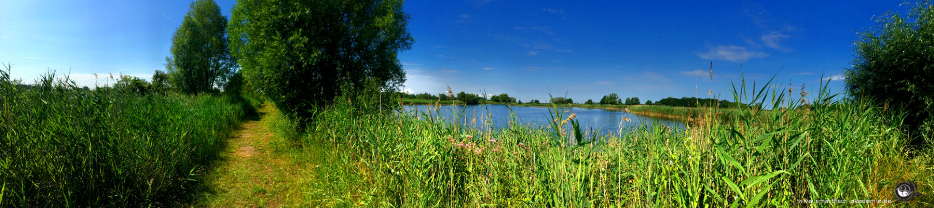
pixel 836 150
pixel 61 145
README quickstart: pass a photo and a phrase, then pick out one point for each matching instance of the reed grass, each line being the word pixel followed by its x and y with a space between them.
pixel 836 149
pixel 65 146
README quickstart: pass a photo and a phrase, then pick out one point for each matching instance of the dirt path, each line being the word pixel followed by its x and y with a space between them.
pixel 252 172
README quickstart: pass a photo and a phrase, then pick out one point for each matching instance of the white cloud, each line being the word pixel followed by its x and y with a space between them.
pixel 731 53
pixel 773 39
pixel 407 91
pixel 487 68
pixel 533 53
pixel 837 77
pixel 695 73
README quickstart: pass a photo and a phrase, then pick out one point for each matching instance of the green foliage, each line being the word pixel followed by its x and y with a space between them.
pixel 200 54
pixel 894 65
pixel 632 101
pixel 298 53
pixel 589 102
pixel 160 82
pixel 561 100
pixel 503 98
pixel 64 146
pixel 611 99
pixel 761 159
pixel 132 84
pixel 468 98
pixel 648 102
pixel 234 85
pixel 695 102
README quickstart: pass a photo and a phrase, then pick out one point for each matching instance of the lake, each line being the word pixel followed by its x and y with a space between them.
pixel 605 120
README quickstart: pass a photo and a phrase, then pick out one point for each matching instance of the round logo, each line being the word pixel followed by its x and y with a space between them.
pixel 904 191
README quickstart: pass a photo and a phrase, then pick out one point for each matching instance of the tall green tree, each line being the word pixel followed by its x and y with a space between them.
pixel 299 53
pixel 611 99
pixel 894 65
pixel 201 56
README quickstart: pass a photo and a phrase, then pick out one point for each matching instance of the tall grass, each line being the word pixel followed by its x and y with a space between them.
pixel 836 150
pixel 61 145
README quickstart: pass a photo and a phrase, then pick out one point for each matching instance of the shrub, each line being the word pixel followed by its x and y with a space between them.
pixel 893 65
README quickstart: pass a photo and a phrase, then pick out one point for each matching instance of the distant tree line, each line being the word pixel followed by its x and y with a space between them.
pixel 695 102
pixel 503 98
pixel 562 100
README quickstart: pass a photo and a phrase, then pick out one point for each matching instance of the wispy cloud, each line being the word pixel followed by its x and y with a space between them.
pixel 559 12
pixel 448 71
pixel 773 39
pixel 406 91
pixel 541 46
pixel 533 53
pixel 731 53
pixel 837 77
pixel 487 68
pixel 695 73
pixel 554 11
pixel 410 64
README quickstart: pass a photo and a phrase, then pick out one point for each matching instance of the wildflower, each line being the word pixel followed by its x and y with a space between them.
pixel 477 150
pixel 492 140
pixel 469 136
pixel 669 162
pixel 521 144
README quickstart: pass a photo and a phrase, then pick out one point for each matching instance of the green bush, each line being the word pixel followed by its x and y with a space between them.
pixel 894 65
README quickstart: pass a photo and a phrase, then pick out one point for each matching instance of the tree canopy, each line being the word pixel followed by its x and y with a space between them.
pixel 611 99
pixel 201 56
pixel 299 53
pixel 894 64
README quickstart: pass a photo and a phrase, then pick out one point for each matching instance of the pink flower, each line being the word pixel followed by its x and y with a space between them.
pixel 469 137
pixel 521 144
pixel 492 140
pixel 477 150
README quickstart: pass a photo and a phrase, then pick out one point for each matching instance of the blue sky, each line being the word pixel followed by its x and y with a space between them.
pixel 587 49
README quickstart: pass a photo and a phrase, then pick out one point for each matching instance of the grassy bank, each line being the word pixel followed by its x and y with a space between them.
pixel 77 147
pixel 838 150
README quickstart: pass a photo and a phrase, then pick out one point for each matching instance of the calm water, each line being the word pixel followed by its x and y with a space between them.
pixel 607 121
